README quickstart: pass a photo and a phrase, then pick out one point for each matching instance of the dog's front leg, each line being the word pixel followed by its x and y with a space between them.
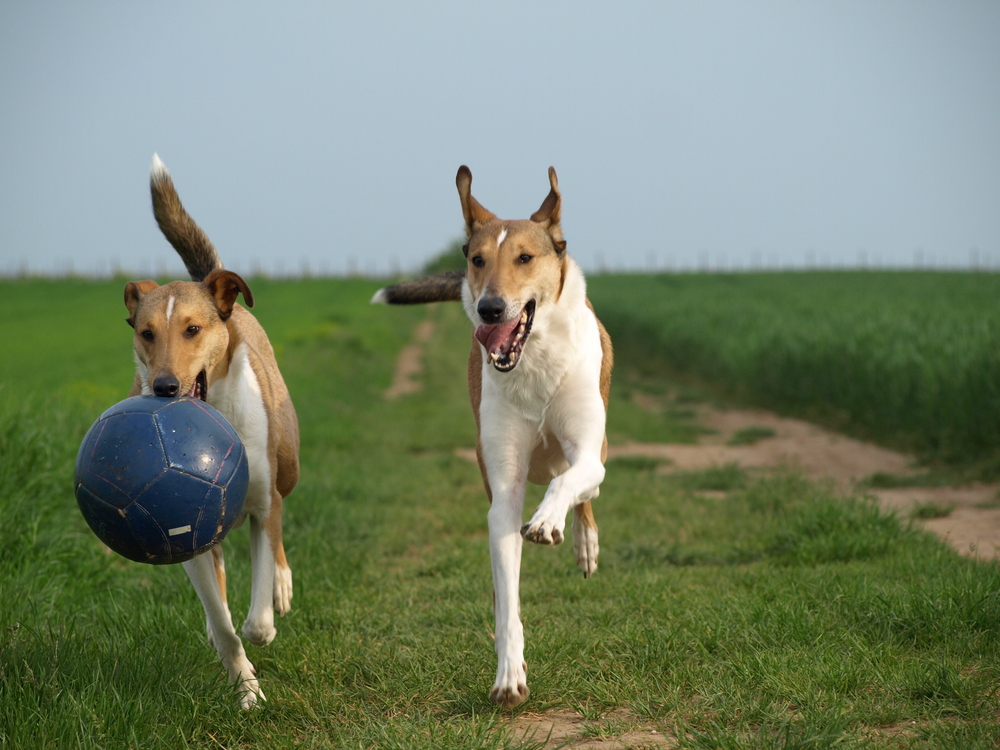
pixel 578 423
pixel 202 572
pixel 507 470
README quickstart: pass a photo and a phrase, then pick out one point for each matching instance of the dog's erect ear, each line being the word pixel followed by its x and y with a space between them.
pixel 135 291
pixel 475 215
pixel 551 212
pixel 225 287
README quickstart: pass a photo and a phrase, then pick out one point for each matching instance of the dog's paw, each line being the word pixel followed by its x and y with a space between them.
pixel 542 530
pixel 259 632
pixel 511 687
pixel 243 675
pixel 251 696
pixel 282 589
pixel 586 548
pixel 541 534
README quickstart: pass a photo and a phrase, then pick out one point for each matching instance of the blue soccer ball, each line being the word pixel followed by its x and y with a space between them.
pixel 161 480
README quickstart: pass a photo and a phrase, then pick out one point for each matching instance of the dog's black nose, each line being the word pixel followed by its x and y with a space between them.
pixel 490 309
pixel 166 385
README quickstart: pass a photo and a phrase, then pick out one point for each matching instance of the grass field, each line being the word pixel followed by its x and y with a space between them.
pixel 772 614
pixel 907 358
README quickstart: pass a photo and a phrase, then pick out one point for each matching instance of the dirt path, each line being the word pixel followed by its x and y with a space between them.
pixel 410 364
pixel 972 527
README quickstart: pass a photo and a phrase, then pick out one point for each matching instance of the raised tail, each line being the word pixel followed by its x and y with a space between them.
pixel 445 287
pixel 187 238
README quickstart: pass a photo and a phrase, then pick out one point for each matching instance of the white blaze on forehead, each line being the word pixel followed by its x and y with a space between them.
pixel 502 237
pixel 170 307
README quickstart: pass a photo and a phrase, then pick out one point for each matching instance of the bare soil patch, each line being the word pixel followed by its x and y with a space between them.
pixel 566 728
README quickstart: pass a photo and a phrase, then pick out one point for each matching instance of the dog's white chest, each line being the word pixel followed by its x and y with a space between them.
pixel 238 397
pixel 562 355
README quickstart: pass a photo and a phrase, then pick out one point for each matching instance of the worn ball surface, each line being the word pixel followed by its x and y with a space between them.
pixel 160 480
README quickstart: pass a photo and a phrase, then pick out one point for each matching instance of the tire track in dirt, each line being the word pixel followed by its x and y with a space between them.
pixel 410 364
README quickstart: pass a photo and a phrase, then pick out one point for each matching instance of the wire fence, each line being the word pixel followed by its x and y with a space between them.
pixel 386 267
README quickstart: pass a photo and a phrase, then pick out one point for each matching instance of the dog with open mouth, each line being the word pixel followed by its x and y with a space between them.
pixel 539 375
pixel 193 339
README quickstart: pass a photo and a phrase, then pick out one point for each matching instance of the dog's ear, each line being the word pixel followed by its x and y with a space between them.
pixel 135 291
pixel 551 212
pixel 225 287
pixel 475 215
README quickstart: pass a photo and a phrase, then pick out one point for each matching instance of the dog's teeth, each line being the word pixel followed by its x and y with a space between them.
pixel 524 316
pixel 513 356
pixel 495 356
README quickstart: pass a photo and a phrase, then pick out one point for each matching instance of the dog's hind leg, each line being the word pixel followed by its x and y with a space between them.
pixel 203 572
pixel 585 538
pixel 258 628
pixel 282 571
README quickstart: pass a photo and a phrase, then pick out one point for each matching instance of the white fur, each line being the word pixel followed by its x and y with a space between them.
pixel 502 236
pixel 553 393
pixel 170 308
pixel 158 170
pixel 143 372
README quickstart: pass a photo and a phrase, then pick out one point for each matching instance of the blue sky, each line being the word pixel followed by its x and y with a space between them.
pixel 326 136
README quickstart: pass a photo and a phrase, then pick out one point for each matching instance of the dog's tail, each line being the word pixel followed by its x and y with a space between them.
pixel 188 239
pixel 445 287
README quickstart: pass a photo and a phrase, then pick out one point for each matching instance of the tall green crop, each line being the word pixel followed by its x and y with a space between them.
pixel 912 358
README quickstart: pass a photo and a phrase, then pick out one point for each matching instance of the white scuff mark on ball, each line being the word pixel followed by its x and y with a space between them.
pixel 179 530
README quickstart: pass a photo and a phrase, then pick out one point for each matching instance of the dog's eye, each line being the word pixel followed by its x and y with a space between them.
pixel 524 258
pixel 192 330
pixel 478 261
pixel 148 335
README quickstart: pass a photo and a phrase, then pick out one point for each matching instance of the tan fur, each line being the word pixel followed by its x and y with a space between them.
pixel 220 571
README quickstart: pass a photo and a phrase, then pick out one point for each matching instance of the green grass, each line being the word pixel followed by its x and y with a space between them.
pixel 772 613
pixel 911 359
pixel 931 509
pixel 750 435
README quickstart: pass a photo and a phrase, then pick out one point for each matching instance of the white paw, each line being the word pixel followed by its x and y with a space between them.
pixel 544 527
pixel 260 632
pixel 250 694
pixel 586 548
pixel 244 676
pixel 282 589
pixel 511 687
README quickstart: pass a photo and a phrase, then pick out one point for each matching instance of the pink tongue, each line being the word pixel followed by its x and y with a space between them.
pixel 493 336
